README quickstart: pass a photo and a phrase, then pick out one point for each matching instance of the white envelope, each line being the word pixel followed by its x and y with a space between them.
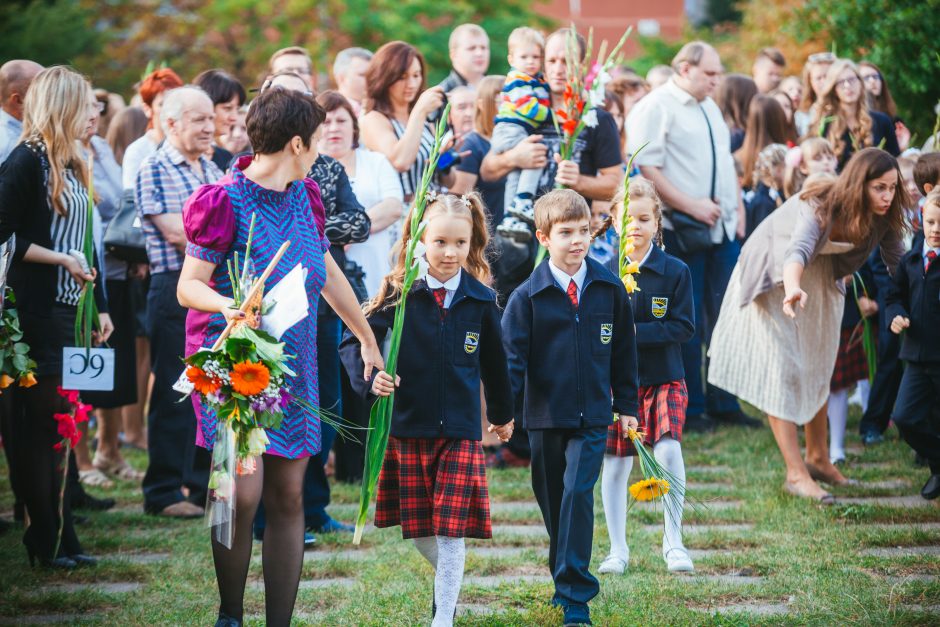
pixel 286 303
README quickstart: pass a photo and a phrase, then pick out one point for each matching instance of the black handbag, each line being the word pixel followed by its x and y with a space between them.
pixel 124 237
pixel 694 236
pixel 356 277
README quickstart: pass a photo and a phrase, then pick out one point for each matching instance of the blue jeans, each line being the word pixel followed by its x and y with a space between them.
pixel 711 271
pixel 316 484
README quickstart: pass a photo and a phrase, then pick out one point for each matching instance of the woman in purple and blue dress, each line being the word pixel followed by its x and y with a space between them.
pixel 271 184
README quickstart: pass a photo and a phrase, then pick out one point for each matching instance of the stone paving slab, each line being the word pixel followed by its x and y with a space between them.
pixel 319 555
pixel 693 529
pixel 135 558
pixel 693 486
pixel 732 579
pixel 890 484
pixel 888 501
pixel 312 584
pixel 478 609
pixel 697 554
pixel 47 619
pixel 913 578
pixel 706 470
pixel 916 607
pixel 902 551
pixel 119 587
pixel 872 465
pixel 715 505
pixel 506 551
pixel 916 526
pixel 758 609
pixel 492 581
pixel 529 531
pixel 515 507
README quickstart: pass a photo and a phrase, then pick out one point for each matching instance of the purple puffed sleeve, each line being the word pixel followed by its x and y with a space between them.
pixel 319 213
pixel 209 223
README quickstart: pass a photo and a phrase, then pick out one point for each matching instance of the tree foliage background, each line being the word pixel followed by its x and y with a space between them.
pixel 112 41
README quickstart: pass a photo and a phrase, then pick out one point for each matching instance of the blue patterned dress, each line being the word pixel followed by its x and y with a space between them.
pixel 216 220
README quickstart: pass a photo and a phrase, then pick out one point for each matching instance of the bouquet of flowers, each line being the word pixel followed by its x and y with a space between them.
pixel 67 427
pixel 657 482
pixel 585 88
pixel 380 417
pixel 241 379
pixel 16 366
pixel 627 268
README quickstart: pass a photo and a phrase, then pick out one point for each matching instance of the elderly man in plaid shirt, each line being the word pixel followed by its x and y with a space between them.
pixel 165 181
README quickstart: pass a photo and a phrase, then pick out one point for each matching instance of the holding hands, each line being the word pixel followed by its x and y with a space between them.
pixel 503 432
pixel 383 385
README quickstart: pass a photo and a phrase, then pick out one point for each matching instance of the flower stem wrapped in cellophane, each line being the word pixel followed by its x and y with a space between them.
pixel 380 417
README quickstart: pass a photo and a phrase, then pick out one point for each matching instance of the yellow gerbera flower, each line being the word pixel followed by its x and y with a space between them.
pixel 649 489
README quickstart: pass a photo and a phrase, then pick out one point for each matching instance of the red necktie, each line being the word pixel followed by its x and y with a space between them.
pixel 573 293
pixel 440 295
pixel 931 256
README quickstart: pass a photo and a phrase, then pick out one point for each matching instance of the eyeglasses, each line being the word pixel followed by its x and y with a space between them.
pixel 822 57
pixel 872 78
pixel 848 83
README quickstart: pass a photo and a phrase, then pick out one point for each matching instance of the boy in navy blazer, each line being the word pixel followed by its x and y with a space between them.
pixel 571 345
pixel 914 309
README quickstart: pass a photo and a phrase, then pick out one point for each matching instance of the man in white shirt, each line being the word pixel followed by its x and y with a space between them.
pixel 687 157
pixel 15 77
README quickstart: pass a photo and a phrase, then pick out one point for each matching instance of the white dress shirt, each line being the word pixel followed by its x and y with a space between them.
pixel 672 124
pixel 564 279
pixel 10 130
pixel 450 285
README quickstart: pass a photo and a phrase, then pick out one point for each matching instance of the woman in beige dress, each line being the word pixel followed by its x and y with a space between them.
pixel 775 342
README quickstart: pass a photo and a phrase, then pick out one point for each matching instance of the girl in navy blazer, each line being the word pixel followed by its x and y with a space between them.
pixel 664 316
pixel 433 480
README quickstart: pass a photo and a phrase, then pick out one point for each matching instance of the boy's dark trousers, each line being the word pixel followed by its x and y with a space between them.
pixel 916 411
pixel 565 466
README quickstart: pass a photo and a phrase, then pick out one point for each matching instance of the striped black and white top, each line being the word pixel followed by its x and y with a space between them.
pixel 68 233
pixel 411 178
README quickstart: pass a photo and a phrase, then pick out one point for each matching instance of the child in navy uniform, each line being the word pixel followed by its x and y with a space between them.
pixel 433 480
pixel 568 331
pixel 665 318
pixel 914 308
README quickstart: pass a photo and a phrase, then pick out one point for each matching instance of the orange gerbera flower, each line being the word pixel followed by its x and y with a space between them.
pixel 250 378
pixel 202 382
pixel 649 489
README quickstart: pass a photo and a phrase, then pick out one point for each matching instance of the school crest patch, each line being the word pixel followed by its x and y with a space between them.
pixel 607 332
pixel 659 306
pixel 470 342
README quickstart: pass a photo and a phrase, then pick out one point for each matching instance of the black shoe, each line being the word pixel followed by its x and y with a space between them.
pixel 577 614
pixel 332 526
pixel 698 423
pixel 84 560
pixel 227 621
pixel 931 489
pixel 89 502
pixel 63 563
pixel 737 418
pixel 870 438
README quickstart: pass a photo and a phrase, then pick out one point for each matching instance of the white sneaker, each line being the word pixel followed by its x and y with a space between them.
pixel 614 564
pixel 678 560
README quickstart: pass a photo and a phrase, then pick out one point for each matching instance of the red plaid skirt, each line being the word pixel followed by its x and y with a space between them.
pixel 851 365
pixel 434 488
pixel 662 411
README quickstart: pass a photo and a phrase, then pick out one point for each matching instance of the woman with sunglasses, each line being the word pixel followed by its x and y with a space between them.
pixel 843 116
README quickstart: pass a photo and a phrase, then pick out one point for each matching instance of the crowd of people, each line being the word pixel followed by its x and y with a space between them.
pixel 772 215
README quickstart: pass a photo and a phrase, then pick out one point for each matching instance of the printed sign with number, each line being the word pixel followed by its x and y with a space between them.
pixel 84 369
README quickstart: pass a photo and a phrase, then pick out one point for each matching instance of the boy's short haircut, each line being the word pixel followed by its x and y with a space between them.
pixel 560 205
pixel 525 35
pixel 932 199
pixel 927 170
pixel 473 30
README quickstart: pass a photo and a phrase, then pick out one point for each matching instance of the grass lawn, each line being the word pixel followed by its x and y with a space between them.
pixel 764 558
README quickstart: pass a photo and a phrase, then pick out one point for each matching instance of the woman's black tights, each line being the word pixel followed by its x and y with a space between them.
pixel 38 467
pixel 281 481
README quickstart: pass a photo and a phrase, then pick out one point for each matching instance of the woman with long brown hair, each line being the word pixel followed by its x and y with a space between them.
pixel 843 117
pixel 766 124
pixel 399 110
pixel 777 336
pixel 734 96
pixel 880 99
pixel 44 205
pixel 814 80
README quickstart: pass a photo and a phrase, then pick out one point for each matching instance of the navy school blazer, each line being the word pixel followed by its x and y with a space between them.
pixel 917 297
pixel 566 364
pixel 664 315
pixel 441 363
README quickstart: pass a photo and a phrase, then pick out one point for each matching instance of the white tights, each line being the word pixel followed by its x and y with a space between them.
pixel 838 416
pixel 668 452
pixel 446 556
